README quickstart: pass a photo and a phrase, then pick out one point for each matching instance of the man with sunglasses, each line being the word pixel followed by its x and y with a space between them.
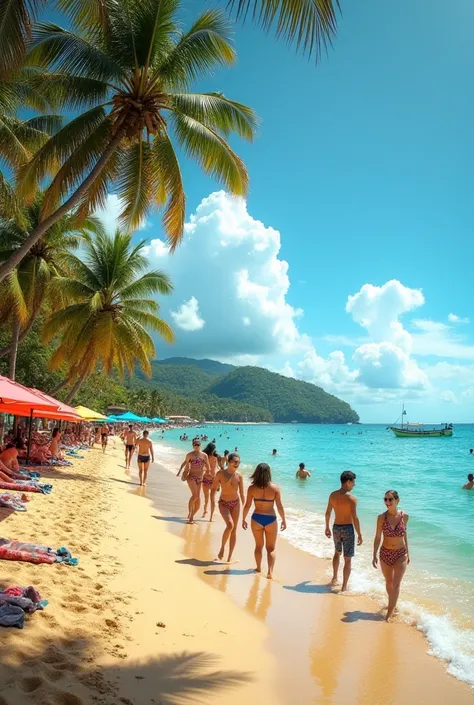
pixel 345 509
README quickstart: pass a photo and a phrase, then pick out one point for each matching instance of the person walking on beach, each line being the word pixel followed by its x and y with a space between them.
pixel 104 437
pixel 302 473
pixel 130 439
pixel 394 556
pixel 208 479
pixel 264 523
pixel 195 464
pixel 145 451
pixel 231 484
pixel 222 459
pixel 345 509
pixel 470 482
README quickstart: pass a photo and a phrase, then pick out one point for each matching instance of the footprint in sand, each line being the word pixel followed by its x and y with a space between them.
pixel 29 685
pixel 53 675
pixel 67 699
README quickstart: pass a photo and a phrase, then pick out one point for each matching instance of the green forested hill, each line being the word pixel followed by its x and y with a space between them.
pixel 287 399
pixel 267 396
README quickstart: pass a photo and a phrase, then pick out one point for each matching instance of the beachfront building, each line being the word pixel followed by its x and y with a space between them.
pixel 180 419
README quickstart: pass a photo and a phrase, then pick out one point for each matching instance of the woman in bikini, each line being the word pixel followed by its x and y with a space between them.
pixel 195 464
pixel 208 479
pixel 394 556
pixel 231 484
pixel 264 521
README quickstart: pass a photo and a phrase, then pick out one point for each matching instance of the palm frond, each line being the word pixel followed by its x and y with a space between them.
pixel 212 152
pixel 309 24
pixel 155 282
pixel 218 112
pixel 15 30
pixel 170 189
pixel 153 29
pixel 204 47
pixel 136 184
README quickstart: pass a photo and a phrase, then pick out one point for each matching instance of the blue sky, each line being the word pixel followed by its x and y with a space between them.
pixel 361 181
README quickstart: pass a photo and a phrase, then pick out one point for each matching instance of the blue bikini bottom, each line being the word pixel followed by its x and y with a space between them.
pixel 263 519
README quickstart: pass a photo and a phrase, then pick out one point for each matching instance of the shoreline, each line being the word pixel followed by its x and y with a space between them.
pixel 229 633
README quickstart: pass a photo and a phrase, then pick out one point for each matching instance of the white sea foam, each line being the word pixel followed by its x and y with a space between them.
pixel 447 639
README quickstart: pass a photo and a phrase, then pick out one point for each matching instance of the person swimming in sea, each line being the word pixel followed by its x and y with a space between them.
pixel 264 525
pixel 231 484
pixel 302 473
pixel 274 451
pixel 470 482
pixel 394 555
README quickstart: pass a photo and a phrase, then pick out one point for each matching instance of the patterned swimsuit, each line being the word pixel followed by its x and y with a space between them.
pixel 390 556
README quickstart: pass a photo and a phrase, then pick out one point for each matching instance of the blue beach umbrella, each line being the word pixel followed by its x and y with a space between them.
pixel 129 416
pixel 158 420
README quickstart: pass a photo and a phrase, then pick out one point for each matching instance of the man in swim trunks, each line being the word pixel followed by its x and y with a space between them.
pixel 345 520
pixel 130 439
pixel 231 484
pixel 145 451
pixel 470 482
pixel 104 437
pixel 302 473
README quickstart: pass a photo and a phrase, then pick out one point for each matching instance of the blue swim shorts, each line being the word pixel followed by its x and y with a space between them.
pixel 344 538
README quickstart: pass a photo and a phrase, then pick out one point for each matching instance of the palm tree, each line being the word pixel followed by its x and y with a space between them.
pixel 310 24
pixel 110 309
pixel 132 71
pixel 25 291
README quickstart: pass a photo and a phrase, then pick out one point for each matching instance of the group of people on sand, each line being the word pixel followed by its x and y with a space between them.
pixel 213 473
pixel 143 445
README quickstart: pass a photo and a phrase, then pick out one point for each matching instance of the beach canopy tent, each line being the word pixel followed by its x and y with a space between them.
pixel 64 412
pixel 145 419
pixel 20 401
pixel 129 416
pixel 89 415
pixel 158 420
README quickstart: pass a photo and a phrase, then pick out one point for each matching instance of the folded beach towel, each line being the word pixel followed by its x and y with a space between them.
pixel 11 616
pixel 12 550
pixel 12 501
pixel 26 486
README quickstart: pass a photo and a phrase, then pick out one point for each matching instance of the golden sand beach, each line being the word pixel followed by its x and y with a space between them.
pixel 228 635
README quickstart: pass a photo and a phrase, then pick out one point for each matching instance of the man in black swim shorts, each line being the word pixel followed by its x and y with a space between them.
pixel 130 443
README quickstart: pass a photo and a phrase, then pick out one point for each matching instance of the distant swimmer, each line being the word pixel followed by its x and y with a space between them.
pixel 302 473
pixel 471 451
pixel 145 453
pixel 274 451
pixel 470 482
pixel 345 520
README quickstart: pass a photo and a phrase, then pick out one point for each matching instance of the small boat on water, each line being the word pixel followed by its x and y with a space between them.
pixel 418 430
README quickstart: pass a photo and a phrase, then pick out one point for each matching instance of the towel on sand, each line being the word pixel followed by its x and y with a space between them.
pixel 26 486
pixel 12 550
pixel 12 501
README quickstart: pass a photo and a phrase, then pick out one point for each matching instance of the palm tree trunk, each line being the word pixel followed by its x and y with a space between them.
pixel 5 351
pixel 14 347
pixel 78 384
pixel 68 205
pixel 58 387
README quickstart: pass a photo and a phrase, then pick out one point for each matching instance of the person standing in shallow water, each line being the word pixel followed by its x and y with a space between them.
pixel 470 482
pixel 231 484
pixel 264 521
pixel 345 509
pixel 394 556
pixel 302 473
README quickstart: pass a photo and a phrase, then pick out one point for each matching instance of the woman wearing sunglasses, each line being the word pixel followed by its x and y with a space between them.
pixel 394 556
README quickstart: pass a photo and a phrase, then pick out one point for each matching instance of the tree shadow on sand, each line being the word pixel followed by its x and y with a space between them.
pixel 63 672
pixel 310 588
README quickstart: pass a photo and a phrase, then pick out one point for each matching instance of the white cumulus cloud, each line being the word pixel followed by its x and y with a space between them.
pixel 453 318
pixel 385 365
pixel 187 316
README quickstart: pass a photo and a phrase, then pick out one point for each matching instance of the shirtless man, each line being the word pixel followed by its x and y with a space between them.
pixel 470 482
pixel 302 473
pixel 130 439
pixel 145 450
pixel 231 484
pixel 345 520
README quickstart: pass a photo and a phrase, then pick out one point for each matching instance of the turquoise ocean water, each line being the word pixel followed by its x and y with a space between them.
pixel 438 591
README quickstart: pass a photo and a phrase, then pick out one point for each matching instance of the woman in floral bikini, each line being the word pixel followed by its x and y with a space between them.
pixel 394 556
pixel 195 464
pixel 231 484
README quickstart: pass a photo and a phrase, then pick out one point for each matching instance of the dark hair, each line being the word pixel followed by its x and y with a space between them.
pixel 232 457
pixel 55 432
pixel 470 477
pixel 196 441
pixel 145 431
pixel 210 448
pixel 301 466
pixel 262 475
pixel 10 445
pixel 130 425
pixel 394 493
pixel 226 453
pixel 347 476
